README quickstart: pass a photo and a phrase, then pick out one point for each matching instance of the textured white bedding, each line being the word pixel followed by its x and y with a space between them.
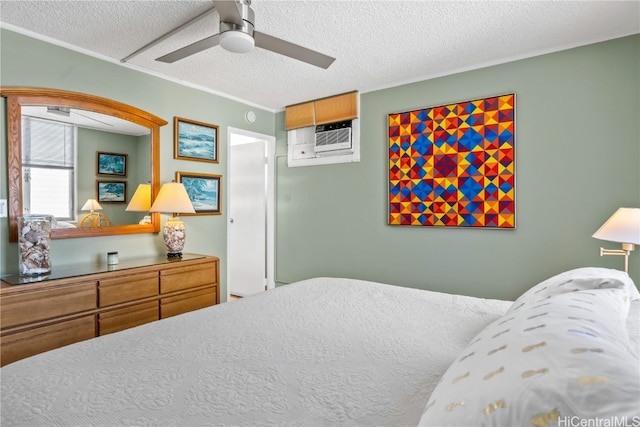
pixel 316 353
pixel 633 326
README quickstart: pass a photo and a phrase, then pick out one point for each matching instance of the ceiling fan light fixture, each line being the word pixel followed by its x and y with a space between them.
pixel 237 41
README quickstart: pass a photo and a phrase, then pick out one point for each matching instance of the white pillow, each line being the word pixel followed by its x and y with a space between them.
pixel 567 356
pixel 579 279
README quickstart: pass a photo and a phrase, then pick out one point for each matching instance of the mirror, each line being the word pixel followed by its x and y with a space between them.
pixel 110 165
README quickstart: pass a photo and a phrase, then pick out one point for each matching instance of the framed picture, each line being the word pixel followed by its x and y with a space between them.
pixel 204 190
pixel 111 164
pixel 111 191
pixel 195 140
pixel 454 165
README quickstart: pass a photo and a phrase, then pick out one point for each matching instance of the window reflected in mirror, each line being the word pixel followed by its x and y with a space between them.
pixel 48 167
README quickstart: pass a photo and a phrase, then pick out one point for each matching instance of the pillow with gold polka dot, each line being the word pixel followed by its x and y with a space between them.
pixel 579 279
pixel 568 356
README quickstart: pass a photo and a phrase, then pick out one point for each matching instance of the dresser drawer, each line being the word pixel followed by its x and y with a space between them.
pixel 127 317
pixel 127 288
pixel 33 306
pixel 23 344
pixel 188 301
pixel 180 278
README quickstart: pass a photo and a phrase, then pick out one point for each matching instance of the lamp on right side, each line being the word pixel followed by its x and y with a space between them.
pixel 622 227
pixel 173 198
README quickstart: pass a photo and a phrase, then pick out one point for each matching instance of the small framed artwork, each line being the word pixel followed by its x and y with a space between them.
pixel 111 191
pixel 204 190
pixel 195 140
pixel 111 164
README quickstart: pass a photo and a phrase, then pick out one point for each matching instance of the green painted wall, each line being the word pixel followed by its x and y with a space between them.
pixel 91 141
pixel 577 148
pixel 28 62
pixel 578 158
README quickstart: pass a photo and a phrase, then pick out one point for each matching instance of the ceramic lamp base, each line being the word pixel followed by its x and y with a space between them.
pixel 174 232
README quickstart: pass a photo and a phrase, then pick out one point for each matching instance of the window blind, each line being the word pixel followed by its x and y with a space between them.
pixel 47 143
pixel 48 167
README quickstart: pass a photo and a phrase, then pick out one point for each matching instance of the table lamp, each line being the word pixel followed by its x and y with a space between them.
pixel 623 227
pixel 93 219
pixel 173 199
pixel 141 202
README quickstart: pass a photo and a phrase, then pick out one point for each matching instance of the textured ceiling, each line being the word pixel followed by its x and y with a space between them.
pixel 377 44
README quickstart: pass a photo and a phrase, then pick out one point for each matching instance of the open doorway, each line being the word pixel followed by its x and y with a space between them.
pixel 250 205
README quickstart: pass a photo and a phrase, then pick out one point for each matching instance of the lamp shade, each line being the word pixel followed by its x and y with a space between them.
pixel 172 198
pixel 91 205
pixel 141 200
pixel 622 227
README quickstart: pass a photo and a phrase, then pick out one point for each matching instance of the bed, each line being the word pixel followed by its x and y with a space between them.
pixel 320 352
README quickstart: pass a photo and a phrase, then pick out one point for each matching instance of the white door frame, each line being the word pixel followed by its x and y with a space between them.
pixel 270 142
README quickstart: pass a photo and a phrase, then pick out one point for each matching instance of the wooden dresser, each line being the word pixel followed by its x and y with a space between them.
pixel 77 303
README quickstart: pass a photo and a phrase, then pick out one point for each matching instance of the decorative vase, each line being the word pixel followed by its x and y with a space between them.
pixel 34 238
pixel 174 233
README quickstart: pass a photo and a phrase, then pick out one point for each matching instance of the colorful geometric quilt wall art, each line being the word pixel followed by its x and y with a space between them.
pixel 454 165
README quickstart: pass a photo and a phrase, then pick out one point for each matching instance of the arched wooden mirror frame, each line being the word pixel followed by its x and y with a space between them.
pixel 19 96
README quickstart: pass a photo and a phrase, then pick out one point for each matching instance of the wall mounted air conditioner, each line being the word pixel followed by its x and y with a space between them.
pixel 333 138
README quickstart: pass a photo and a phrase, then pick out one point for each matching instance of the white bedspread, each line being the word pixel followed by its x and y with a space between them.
pixel 315 353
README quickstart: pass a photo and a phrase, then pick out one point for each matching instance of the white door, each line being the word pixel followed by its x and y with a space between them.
pixel 249 204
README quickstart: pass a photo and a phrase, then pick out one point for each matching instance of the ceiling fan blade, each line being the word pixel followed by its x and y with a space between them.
pixel 228 11
pixel 292 50
pixel 189 50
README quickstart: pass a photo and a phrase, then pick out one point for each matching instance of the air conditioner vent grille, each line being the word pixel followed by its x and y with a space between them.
pixel 333 138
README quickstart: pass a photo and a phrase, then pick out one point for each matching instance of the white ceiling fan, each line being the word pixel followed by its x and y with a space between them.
pixel 237 34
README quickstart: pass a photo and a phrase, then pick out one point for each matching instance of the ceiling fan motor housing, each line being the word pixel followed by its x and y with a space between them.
pixel 237 35
pixel 238 38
